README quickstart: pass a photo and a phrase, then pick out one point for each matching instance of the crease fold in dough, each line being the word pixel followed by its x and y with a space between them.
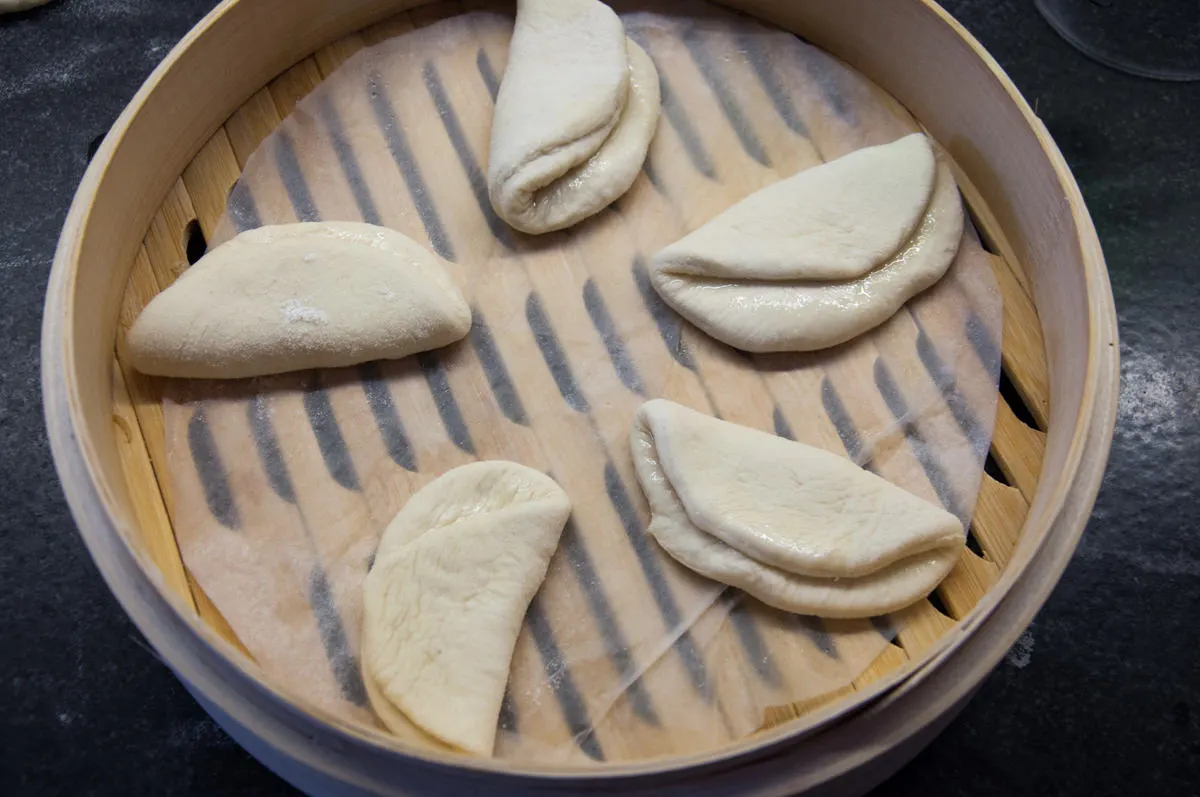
pixel 291 297
pixel 577 108
pixel 820 257
pixel 797 527
pixel 445 599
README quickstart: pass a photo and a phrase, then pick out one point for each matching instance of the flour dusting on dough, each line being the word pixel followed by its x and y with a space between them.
pixel 295 311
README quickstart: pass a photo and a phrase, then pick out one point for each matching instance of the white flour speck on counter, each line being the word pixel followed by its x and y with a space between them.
pixel 1022 651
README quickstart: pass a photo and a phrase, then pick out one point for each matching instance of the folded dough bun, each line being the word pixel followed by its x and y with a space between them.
pixel 298 296
pixel 797 527
pixel 447 594
pixel 821 257
pixel 577 108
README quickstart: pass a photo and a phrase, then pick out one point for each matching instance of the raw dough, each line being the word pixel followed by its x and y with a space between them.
pixel 299 296
pixel 447 594
pixel 797 527
pixel 821 257
pixel 577 108
pixel 399 725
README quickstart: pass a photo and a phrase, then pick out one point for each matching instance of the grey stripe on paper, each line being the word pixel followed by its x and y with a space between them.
pixel 760 60
pixel 329 437
pixel 711 71
pixel 347 159
pixel 826 74
pixel 980 338
pixel 924 452
pixel 397 143
pixel 652 569
pixel 946 384
pixel 842 424
pixel 782 428
pixel 507 397
pixel 670 325
pixel 470 164
pixel 387 417
pixel 258 412
pixel 553 354
pixel 508 714
pixel 883 624
pixel 214 479
pixel 752 642
pixel 558 674
pixel 447 405
pixel 490 81
pixel 651 174
pixel 622 362
pixel 288 167
pixel 241 208
pixel 814 629
pixel 333 638
pixel 576 553
pixel 679 120
pixel 890 391
pixel 677 116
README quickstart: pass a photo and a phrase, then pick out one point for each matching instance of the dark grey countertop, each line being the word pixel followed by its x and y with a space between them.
pixel 1101 696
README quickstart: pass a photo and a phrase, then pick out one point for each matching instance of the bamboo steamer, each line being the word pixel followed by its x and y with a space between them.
pixel 171 159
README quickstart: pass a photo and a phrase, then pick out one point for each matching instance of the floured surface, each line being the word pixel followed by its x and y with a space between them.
pixel 282 485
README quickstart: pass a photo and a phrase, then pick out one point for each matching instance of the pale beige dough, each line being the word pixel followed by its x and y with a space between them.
pixel 821 257
pixel 797 527
pixel 446 597
pixel 298 296
pixel 576 111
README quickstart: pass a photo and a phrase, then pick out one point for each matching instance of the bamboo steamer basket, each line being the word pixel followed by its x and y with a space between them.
pixel 166 168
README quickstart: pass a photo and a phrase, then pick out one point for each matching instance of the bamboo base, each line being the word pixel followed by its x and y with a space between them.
pixel 194 211
pixel 171 161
